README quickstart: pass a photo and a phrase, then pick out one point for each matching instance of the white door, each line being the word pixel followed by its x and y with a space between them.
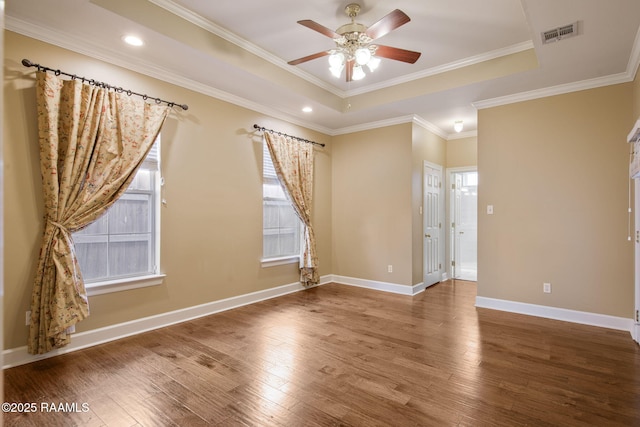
pixel 433 215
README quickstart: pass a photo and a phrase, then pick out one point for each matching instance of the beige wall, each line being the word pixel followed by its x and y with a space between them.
pixel 212 223
pixel 462 152
pixel 372 204
pixel 555 170
pixel 377 194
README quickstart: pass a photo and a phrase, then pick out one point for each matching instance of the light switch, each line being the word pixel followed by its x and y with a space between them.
pixel 489 209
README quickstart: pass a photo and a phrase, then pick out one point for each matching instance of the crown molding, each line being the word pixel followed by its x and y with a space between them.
pixel 415 119
pixel 133 63
pixel 451 66
pixel 372 125
pixel 634 58
pixel 462 135
pixel 554 90
pixel 231 37
pixel 429 126
pixel 625 77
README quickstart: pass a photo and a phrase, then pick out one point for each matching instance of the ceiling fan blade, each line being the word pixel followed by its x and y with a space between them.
pixel 397 54
pixel 319 28
pixel 308 58
pixel 387 24
pixel 349 70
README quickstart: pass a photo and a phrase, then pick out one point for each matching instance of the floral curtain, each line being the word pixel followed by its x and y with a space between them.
pixel 293 162
pixel 92 141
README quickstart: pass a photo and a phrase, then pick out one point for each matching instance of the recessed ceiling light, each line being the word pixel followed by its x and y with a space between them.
pixel 133 40
pixel 307 109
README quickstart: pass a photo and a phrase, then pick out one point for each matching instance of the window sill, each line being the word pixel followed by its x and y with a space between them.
pixel 272 262
pixel 107 287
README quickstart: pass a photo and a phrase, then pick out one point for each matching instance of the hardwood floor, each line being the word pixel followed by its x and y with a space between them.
pixel 344 356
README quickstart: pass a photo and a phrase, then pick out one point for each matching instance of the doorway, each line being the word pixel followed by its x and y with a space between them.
pixel 463 235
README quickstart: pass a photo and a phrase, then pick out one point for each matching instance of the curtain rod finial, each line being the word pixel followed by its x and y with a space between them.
pixel 27 63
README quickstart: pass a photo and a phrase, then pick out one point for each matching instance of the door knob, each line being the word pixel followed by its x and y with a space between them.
pixel 427 235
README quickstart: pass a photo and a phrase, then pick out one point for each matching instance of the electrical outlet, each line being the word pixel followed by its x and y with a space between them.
pixel 27 318
pixel 546 288
pixel 390 268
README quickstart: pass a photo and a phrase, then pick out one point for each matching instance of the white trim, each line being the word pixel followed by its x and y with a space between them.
pixel 20 356
pixel 430 127
pixel 627 76
pixel 231 37
pixel 272 262
pixel 444 68
pixel 461 135
pixel 134 63
pixel 554 90
pixel 582 317
pixel 458 169
pixel 227 35
pixel 117 285
pixel 634 58
pixel 373 125
pixel 420 287
pixel 412 118
pixel 376 285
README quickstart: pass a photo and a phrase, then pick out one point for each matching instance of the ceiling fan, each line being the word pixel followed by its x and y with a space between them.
pixel 354 48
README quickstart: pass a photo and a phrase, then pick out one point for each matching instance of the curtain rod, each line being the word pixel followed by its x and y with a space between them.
pixel 260 128
pixel 93 82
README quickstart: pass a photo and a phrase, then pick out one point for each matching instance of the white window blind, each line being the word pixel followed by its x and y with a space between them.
pixel 123 242
pixel 281 225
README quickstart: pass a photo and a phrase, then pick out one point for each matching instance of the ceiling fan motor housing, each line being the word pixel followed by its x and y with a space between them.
pixel 352 35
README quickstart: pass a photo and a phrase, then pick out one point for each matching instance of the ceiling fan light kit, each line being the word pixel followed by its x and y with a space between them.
pixel 354 48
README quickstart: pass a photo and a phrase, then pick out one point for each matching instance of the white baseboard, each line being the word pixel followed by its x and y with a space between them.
pixel 379 286
pixel 20 356
pixel 583 317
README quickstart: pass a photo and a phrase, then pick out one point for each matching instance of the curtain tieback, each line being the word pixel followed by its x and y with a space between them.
pixel 60 226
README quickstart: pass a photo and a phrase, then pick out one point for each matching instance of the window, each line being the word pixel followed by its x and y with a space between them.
pixel 124 242
pixel 280 224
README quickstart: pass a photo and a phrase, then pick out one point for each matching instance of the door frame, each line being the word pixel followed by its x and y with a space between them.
pixel 441 203
pixel 635 331
pixel 449 213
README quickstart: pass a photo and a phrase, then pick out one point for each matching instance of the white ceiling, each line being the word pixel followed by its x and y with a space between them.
pixel 474 53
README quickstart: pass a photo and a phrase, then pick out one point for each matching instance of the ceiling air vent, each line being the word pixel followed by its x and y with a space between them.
pixel 560 33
